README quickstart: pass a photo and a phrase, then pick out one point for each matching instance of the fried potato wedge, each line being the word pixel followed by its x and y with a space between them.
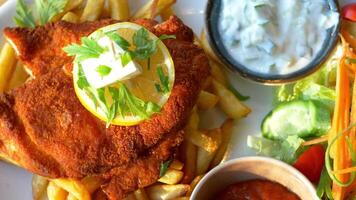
pixel 74 187
pixel 207 100
pixel 19 77
pixel 141 194
pixel 146 10
pixel 70 17
pixel 39 187
pixel 165 192
pixel 226 132
pixel 204 157
pixel 229 103
pixel 176 164
pixel 55 192
pixel 171 177
pixel 119 9
pixel 7 65
pixel 92 10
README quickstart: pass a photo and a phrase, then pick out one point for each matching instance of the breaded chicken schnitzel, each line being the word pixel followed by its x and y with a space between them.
pixel 45 129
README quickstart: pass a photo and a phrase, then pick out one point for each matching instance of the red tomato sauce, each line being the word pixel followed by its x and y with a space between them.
pixel 257 190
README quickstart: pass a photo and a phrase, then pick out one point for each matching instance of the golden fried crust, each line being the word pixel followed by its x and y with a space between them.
pixel 40 49
pixel 45 129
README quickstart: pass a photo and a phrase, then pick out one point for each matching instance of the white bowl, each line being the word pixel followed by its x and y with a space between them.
pixel 247 168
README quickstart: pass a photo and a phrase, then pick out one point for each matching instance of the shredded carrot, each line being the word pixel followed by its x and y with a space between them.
pixel 339 151
pixel 345 171
pixel 318 140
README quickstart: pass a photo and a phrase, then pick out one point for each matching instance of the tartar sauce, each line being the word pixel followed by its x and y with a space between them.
pixel 275 36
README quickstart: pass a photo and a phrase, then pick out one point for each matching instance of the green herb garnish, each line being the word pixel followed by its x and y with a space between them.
pixel 165 37
pixel 46 10
pixel 328 162
pixel 350 61
pixel 145 47
pixel 126 58
pixel 118 100
pixel 84 85
pixel 164 167
pixel 103 70
pixel 24 17
pixel 88 49
pixel 125 103
pixel 164 81
pixel 324 185
pixel 240 96
pixel 122 42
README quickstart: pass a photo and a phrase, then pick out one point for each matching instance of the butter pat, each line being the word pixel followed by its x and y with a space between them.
pixel 111 59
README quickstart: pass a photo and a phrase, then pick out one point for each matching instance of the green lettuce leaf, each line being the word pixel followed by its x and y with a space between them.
pixel 285 150
pixel 319 86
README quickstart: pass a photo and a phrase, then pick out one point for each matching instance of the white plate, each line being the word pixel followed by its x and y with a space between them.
pixel 15 183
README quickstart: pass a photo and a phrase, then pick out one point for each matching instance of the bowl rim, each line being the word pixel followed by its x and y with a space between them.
pixel 215 171
pixel 279 79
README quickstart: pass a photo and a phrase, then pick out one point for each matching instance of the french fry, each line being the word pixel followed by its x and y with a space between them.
pixel 202 140
pixel 193 121
pixel 207 100
pixel 92 10
pixel 74 187
pixel 193 184
pixel 171 177
pixel 119 9
pixel 70 17
pixel 7 65
pixel 55 192
pixel 165 192
pixel 71 197
pixel 229 103
pixel 18 78
pixel 226 132
pixel 145 11
pixel 190 156
pixel 182 198
pixel 207 48
pixel 167 13
pixel 39 187
pixel 72 4
pixel 217 73
pixel 106 13
pixel 140 194
pixel 176 164
pixel 204 157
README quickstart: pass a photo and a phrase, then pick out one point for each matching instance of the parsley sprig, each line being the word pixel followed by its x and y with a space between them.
pixel 45 9
pixel 145 47
pixel 117 100
pixel 163 86
pixel 88 49
pixel 164 167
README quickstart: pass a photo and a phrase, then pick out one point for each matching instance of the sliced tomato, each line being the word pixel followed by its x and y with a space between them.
pixel 311 163
pixel 349 12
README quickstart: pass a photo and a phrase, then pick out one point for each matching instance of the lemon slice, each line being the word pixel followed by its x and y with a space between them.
pixel 145 87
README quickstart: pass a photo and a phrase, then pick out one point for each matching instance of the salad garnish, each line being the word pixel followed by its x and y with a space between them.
pixel 116 63
pixel 45 10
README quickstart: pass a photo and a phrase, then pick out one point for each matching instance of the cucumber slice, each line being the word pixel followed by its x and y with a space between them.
pixel 304 118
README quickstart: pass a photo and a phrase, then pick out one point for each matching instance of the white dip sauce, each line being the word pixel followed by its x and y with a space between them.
pixel 275 36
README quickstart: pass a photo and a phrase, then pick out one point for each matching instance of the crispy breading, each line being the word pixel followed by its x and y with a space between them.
pixel 40 49
pixel 45 129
